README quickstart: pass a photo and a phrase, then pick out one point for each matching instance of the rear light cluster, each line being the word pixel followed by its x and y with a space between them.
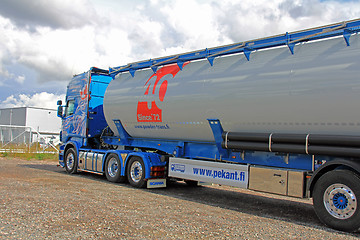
pixel 158 171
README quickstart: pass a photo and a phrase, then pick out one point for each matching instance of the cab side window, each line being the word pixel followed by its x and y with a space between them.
pixel 69 108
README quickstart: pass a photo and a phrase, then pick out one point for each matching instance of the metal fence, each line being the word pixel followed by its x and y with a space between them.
pixel 27 139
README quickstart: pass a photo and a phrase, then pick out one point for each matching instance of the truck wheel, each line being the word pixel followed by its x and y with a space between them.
pixel 136 172
pixel 336 199
pixel 113 169
pixel 71 163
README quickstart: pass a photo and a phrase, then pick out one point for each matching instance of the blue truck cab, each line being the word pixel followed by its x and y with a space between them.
pixel 83 118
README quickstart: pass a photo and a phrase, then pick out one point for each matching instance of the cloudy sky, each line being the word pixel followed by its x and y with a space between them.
pixel 44 42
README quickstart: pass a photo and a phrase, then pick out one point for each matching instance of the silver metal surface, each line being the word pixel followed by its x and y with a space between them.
pixel 280 181
pixel 268 180
pixel 296 184
pixel 113 167
pixel 70 158
pixel 136 171
pixel 340 201
pixel 89 163
pixel 82 159
pixel 316 90
pixel 235 175
pixel 99 162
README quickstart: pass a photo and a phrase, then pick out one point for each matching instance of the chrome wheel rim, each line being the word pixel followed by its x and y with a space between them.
pixel 136 171
pixel 113 167
pixel 70 161
pixel 340 201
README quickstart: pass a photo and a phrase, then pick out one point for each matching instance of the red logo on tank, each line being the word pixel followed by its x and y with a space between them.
pixel 155 91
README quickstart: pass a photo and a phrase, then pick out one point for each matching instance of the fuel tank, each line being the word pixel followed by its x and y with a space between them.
pixel 314 90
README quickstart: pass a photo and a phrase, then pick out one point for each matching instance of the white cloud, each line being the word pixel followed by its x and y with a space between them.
pixel 42 100
pixel 64 37
pixel 20 79
pixel 195 24
pixel 56 14
pixel 246 19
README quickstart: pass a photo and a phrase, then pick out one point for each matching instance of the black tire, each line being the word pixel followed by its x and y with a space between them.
pixel 135 172
pixel 71 161
pixel 113 169
pixel 336 199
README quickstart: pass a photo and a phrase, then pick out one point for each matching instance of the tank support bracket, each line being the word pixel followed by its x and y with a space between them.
pixel 124 136
pixel 218 131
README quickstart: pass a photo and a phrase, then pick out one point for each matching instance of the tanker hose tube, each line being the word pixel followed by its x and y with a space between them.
pixel 311 144
pixel 335 140
pixel 245 136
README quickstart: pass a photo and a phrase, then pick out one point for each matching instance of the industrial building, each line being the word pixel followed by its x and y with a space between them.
pixel 27 125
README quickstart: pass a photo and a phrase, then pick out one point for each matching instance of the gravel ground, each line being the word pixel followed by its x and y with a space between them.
pixel 38 200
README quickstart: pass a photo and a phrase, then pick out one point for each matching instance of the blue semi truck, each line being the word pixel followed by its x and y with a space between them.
pixel 279 114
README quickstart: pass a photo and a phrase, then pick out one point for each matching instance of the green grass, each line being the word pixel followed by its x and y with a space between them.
pixel 29 154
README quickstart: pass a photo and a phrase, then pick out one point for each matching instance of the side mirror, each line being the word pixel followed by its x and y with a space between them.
pixel 59 102
pixel 60 111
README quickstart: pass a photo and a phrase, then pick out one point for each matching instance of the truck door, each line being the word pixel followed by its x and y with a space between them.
pixel 75 119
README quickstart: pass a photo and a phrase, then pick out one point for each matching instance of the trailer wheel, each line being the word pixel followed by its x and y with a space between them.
pixel 136 172
pixel 71 163
pixel 336 200
pixel 113 169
